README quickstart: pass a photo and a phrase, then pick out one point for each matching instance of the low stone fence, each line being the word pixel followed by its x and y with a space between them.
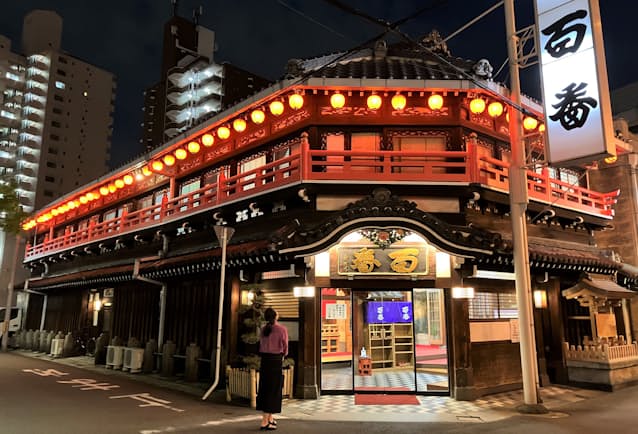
pixel 602 365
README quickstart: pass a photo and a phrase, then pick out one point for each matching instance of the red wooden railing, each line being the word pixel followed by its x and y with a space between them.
pixel 307 165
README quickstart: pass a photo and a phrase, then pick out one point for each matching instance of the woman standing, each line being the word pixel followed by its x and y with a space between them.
pixel 273 347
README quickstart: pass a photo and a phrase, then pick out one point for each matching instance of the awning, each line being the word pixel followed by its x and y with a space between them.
pixel 588 287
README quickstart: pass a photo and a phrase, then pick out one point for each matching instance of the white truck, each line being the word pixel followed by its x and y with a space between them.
pixel 15 320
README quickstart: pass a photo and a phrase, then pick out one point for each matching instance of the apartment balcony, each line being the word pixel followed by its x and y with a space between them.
pixel 325 167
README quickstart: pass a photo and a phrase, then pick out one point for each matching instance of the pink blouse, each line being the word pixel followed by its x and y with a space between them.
pixel 276 342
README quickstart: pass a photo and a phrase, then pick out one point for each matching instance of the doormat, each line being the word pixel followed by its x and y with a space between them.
pixel 377 399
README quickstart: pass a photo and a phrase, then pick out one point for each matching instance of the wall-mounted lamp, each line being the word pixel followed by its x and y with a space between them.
pixel 303 291
pixel 540 299
pixel 247 297
pixel 462 292
pixel 322 264
pixel 97 306
pixel 443 266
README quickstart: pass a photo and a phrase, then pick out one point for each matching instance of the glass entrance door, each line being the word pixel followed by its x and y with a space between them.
pixel 383 341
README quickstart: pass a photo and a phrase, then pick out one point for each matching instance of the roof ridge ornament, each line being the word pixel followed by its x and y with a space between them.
pixel 435 43
pixel 483 69
pixel 294 68
pixel 380 49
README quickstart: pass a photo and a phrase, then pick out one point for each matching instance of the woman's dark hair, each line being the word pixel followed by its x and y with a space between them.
pixel 270 315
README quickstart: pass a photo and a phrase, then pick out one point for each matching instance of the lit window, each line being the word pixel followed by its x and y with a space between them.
pixel 60 85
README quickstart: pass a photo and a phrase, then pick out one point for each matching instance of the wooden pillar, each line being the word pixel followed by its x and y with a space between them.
pixel 463 380
pixel 309 357
pixel 233 318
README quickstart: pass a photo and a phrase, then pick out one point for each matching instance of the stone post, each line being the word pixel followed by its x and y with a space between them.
pixel 67 351
pixel 168 351
pixel 35 343
pixel 193 352
pixel 100 348
pixel 28 340
pixel 148 365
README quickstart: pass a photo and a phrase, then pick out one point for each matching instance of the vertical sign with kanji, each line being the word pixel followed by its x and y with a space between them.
pixel 574 75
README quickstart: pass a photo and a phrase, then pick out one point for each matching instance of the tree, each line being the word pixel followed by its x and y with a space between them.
pixel 11 213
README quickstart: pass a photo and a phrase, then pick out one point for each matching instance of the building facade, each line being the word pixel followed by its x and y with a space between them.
pixel 365 197
pixel 56 118
pixel 193 87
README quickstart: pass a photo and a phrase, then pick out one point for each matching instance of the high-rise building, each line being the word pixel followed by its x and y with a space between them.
pixel 56 116
pixel 192 88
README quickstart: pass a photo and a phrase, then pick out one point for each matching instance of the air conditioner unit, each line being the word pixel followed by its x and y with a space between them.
pixel 114 357
pixel 133 358
pixel 57 347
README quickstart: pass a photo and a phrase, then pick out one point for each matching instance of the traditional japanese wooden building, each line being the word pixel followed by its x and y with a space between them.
pixel 374 186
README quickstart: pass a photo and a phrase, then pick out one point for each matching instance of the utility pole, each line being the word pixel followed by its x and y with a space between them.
pixel 518 207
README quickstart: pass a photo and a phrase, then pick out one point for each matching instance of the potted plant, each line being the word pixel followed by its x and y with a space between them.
pixel 243 380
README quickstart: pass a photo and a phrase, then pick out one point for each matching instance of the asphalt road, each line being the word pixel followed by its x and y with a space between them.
pixel 38 396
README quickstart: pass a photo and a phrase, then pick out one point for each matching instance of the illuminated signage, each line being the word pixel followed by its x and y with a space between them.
pixel 361 260
pixel 575 89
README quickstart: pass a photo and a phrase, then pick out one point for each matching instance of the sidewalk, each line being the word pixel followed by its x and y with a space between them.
pixel 342 407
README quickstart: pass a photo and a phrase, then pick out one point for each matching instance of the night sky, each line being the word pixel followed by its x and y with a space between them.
pixel 125 37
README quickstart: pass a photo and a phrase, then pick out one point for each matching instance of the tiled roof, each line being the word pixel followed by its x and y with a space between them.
pixel 397 61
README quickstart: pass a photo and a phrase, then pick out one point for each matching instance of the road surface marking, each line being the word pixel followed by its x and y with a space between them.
pixel 148 401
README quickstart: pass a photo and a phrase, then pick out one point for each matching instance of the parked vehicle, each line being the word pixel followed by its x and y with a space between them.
pixel 15 320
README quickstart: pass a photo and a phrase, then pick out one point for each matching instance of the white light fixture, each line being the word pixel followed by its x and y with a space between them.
pixel 322 264
pixel 489 274
pixel 247 297
pixel 303 291
pixel 462 292
pixel 443 268
pixel 540 299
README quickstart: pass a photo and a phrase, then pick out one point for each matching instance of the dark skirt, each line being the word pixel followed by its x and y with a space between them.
pixel 270 383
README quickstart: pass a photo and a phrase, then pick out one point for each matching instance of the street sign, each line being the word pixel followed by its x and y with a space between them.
pixel 574 76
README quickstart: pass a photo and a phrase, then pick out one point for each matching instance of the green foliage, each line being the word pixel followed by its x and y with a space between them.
pixel 11 214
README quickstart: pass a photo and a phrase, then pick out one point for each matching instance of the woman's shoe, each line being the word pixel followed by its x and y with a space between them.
pixel 273 422
pixel 268 427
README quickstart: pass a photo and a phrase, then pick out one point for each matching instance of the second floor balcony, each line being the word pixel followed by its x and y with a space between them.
pixel 296 164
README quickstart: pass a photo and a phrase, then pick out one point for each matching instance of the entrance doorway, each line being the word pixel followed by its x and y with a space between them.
pixel 379 340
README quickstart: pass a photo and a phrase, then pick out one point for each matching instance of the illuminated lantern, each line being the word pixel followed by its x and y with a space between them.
pixel 541 128
pixel 193 147
pixel 139 176
pixel 477 105
pixel 276 108
pixel 70 204
pixel 495 109
pixel 40 219
pixel 181 153
pixel 96 194
pixel 337 100
pixel 55 211
pixel 398 102
pixel 295 101
pixel 112 188
pixel 146 171
pixel 90 196
pixel 239 125
pixel 169 160
pixel 208 140
pixel 257 116
pixel 223 133
pixel 83 200
pixel 435 101
pixel 104 190
pixel 374 102
pixel 64 209
pixel 119 183
pixel 128 179
pixel 611 160
pixel 529 123
pixel 157 165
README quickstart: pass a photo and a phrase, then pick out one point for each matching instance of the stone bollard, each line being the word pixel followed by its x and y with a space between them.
pixel 20 338
pixel 149 356
pixel 134 343
pixel 43 341
pixel 168 363
pixel 49 341
pixel 35 343
pixel 28 340
pixel 117 341
pixel 100 349
pixel 193 352
pixel 67 350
